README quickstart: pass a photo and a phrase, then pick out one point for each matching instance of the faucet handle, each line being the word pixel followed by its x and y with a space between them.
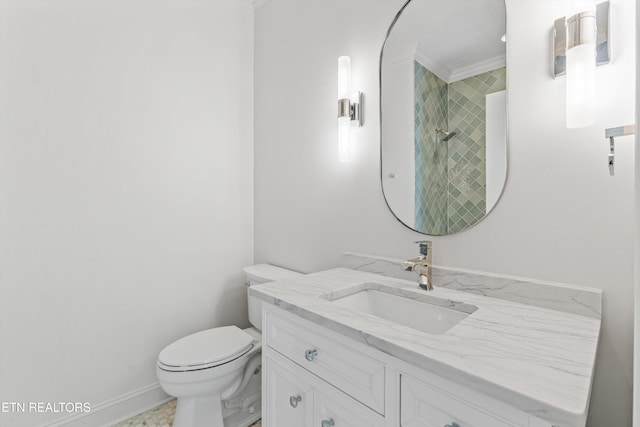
pixel 425 245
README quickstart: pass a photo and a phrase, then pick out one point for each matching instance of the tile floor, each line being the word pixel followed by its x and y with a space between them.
pixel 161 416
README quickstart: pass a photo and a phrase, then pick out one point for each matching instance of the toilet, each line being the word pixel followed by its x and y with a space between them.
pixel 215 373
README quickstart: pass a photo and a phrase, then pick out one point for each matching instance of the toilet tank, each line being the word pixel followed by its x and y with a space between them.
pixel 263 273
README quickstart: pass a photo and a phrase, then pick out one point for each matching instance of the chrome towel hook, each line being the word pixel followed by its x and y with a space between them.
pixel 611 133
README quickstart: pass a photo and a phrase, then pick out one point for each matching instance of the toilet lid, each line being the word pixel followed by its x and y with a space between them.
pixel 206 349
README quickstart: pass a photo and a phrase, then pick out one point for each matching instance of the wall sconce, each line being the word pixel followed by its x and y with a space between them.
pixel 580 43
pixel 349 109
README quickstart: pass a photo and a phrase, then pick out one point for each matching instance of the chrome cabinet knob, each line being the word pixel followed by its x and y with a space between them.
pixel 310 354
pixel 453 424
pixel 331 423
pixel 294 400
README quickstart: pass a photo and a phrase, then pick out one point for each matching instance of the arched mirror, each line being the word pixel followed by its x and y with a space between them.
pixel 443 94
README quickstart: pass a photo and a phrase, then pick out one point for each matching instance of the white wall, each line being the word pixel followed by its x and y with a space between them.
pixel 126 204
pixel 496 146
pixel 562 217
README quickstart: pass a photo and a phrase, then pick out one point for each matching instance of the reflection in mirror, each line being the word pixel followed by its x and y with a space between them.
pixel 443 113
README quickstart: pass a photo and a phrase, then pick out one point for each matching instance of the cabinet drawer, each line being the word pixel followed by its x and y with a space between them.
pixel 422 405
pixel 352 372
pixel 337 412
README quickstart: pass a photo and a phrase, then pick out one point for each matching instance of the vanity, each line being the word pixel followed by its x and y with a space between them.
pixel 351 348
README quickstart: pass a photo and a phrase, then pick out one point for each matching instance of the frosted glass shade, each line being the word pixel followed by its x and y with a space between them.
pixel 344 121
pixel 344 77
pixel 344 146
pixel 581 85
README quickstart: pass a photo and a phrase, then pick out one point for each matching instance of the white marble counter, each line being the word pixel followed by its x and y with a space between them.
pixel 537 359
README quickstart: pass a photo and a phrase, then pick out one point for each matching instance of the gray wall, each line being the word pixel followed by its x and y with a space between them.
pixel 561 219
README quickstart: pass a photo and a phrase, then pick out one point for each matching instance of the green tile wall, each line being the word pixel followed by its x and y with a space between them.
pixel 431 159
pixel 451 176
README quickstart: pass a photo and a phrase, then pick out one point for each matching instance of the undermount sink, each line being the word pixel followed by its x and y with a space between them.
pixel 425 313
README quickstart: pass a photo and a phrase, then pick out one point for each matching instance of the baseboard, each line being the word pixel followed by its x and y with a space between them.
pixel 113 411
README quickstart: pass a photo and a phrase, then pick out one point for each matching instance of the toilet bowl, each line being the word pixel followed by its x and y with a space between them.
pixel 215 373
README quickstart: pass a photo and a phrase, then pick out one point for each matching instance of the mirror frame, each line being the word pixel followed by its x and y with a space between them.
pixel 507 132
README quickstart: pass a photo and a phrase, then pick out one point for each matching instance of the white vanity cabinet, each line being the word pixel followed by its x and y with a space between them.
pixel 353 372
pixel 295 398
pixel 425 405
pixel 311 380
pixel 316 377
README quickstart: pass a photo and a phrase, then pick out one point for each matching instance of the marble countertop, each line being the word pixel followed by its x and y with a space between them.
pixel 539 360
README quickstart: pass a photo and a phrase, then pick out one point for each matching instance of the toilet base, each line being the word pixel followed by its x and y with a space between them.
pixel 243 417
pixel 199 412
pixel 208 412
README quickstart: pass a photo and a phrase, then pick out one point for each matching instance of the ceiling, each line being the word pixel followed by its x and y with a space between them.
pixel 450 37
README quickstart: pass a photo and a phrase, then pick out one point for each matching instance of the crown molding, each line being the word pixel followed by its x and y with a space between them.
pixel 479 68
pixel 450 76
pixel 436 67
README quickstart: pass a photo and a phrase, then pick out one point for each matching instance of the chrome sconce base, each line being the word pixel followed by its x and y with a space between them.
pixel 576 30
pixel 352 108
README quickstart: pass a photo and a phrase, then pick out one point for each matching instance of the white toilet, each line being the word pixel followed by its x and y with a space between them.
pixel 215 374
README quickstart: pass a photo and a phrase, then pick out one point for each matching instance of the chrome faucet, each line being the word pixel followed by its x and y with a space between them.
pixel 422 265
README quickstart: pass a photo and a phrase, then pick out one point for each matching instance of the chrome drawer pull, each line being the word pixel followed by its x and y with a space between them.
pixel 453 424
pixel 310 355
pixel 330 423
pixel 294 400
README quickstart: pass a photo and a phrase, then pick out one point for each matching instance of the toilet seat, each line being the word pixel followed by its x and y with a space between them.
pixel 205 349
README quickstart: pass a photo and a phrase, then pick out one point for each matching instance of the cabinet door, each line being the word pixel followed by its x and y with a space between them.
pixel 340 410
pixel 288 401
pixel 422 405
